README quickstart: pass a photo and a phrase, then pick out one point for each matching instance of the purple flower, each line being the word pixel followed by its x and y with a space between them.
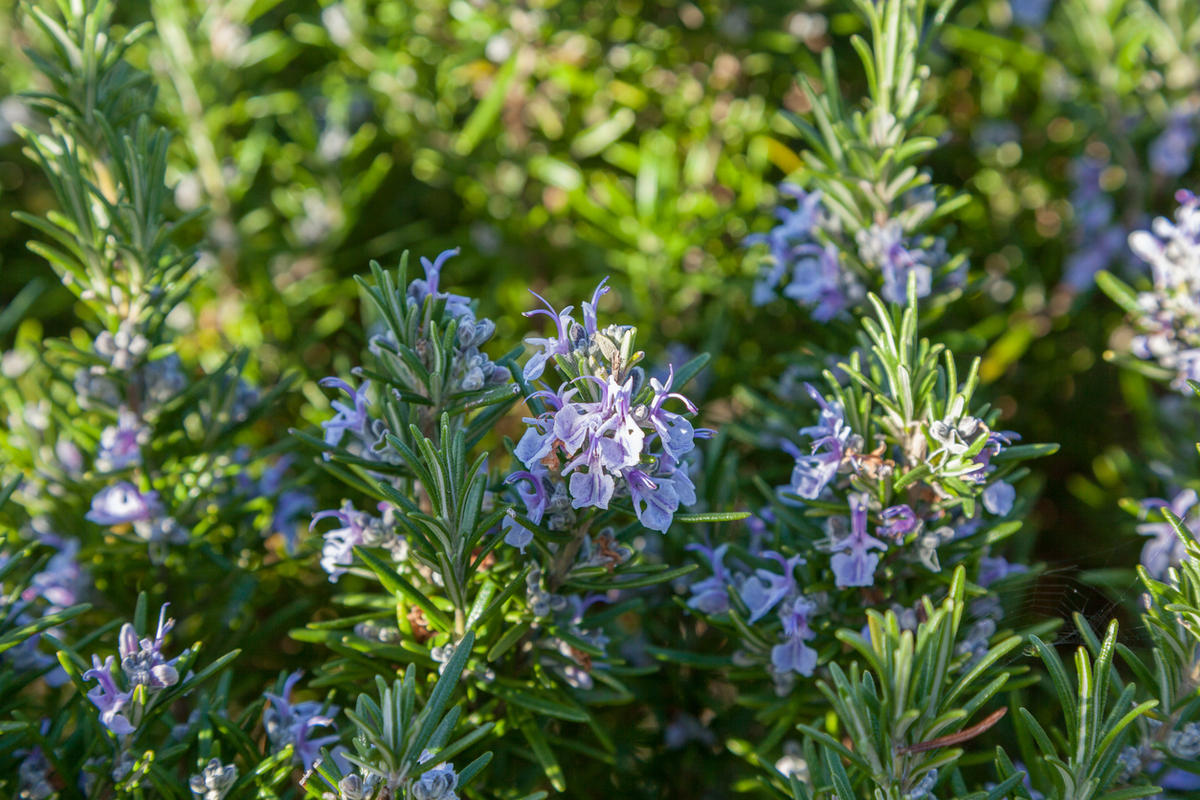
pixel 762 591
pixel 610 446
pixel 674 430
pixel 122 503
pixel 998 498
pixel 794 655
pixel 456 305
pixel 535 500
pixel 854 563
pixel 537 441
pixel 1171 153
pixel 338 551
pixel 1165 549
pixel 143 661
pixel 996 569
pixel 884 247
pixel 287 723
pixel 996 442
pixel 794 228
pixel 654 500
pixel 107 698
pixel 60 583
pixel 899 521
pixel 559 344
pixel 819 281
pixel 711 595
pixel 348 418
pixel 589 309
pixel 595 486
pixel 121 444
pixel 830 437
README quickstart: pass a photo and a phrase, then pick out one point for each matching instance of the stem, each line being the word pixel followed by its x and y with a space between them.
pixel 565 558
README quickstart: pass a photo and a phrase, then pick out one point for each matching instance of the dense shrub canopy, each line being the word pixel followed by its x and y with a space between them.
pixel 416 399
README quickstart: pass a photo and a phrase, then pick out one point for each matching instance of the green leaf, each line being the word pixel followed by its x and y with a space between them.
pixel 716 516
pixel 541 751
pixel 539 702
pixel 391 581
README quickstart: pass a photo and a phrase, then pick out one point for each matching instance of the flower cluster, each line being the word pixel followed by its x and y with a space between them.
pixel 809 271
pixel 952 456
pixel 1168 316
pixel 896 256
pixel 606 432
pixel 143 665
pixel 359 529
pixel 784 648
pixel 288 723
pixel 809 262
pixel 472 370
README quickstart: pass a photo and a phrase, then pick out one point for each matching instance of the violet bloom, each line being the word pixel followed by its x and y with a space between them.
pixel 674 430
pixel 61 582
pixel 535 501
pixel 1171 153
pixel 830 437
pixel 820 282
pixel 338 551
pixel 854 563
pixel 998 498
pixel 592 487
pixel 794 655
pixel 992 569
pixel 655 500
pixel 121 444
pixel 354 419
pixel 884 247
pixel 1165 549
pixel 763 591
pixel 559 344
pixel 898 521
pixel 996 442
pixel 107 698
pixel 122 503
pixel 590 328
pixel 143 661
pixel 456 304
pixel 794 228
pixel 711 595
pixel 287 723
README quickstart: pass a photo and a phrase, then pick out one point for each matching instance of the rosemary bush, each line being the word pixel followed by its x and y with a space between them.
pixel 436 400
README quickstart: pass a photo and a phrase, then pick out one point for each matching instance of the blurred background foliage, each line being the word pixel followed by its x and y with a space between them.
pixel 558 142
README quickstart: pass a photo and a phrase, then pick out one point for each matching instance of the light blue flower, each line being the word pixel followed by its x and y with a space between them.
pixel 292 723
pixel 794 654
pixel 107 697
pixel 998 498
pixel 711 595
pixel 853 562
pixel 1165 549
pixel 123 503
